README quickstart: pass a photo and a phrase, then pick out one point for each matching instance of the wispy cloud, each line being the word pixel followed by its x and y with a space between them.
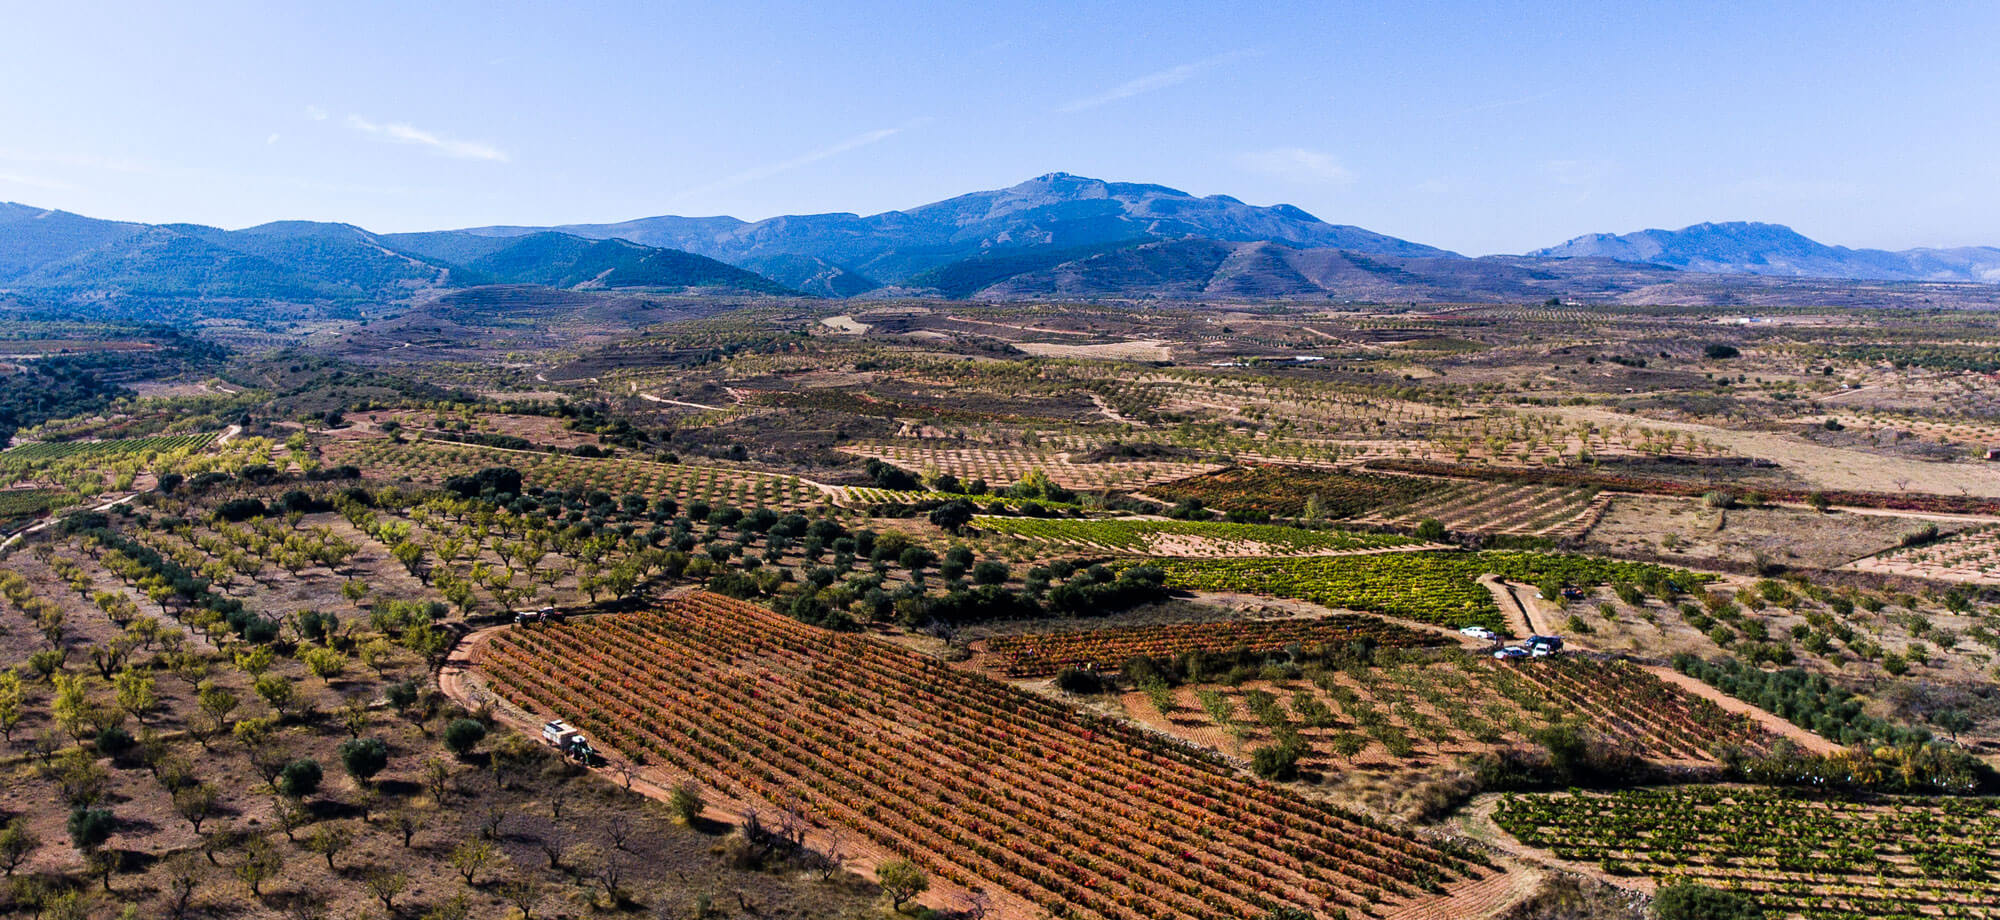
pixel 1158 80
pixel 315 113
pixel 81 161
pixel 403 133
pixel 1296 164
pixel 766 171
pixel 12 178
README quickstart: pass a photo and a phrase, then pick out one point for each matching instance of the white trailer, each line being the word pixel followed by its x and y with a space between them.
pixel 572 743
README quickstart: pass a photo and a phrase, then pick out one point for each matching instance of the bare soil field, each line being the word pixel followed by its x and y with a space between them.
pixel 1824 467
pixel 1143 350
pixel 1689 533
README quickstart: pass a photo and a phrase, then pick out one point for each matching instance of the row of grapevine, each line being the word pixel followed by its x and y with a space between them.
pixel 1452 706
pixel 1042 654
pixel 1189 538
pixel 1799 853
pixel 984 785
pixel 1432 587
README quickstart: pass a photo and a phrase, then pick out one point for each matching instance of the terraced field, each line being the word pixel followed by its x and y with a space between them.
pixel 1062 812
pixel 1000 466
pixel 53 451
pixel 1106 650
pixel 1429 587
pixel 1373 718
pixel 1498 508
pixel 1189 538
pixel 1800 854
pixel 1288 491
pixel 434 461
pixel 1970 556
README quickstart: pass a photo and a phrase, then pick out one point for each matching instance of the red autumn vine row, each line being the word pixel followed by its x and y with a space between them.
pixel 983 784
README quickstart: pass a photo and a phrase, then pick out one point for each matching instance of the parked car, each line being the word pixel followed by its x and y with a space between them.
pixel 1552 643
pixel 1512 651
pixel 1479 632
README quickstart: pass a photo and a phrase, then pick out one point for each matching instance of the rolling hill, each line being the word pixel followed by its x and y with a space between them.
pixel 63 256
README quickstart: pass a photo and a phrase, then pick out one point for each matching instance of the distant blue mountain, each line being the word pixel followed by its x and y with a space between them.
pixel 66 256
pixel 1057 211
pixel 1773 249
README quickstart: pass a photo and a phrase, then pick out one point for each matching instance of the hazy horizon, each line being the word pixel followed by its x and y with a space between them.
pixel 1479 128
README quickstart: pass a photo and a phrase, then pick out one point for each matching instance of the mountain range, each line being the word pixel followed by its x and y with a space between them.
pixel 1054 236
pixel 1774 249
pixel 1054 212
pixel 68 257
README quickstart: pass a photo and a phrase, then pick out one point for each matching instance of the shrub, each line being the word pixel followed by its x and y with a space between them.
pixel 1694 901
pixel 240 509
pixel 113 741
pixel 1279 762
pixel 364 757
pixel 686 802
pixel 901 880
pixel 464 735
pixel 299 779
pixel 90 827
pixel 1078 680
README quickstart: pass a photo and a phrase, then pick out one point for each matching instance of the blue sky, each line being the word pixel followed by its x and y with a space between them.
pixel 1480 127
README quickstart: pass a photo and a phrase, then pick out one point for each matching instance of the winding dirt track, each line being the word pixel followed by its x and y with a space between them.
pixel 1520 621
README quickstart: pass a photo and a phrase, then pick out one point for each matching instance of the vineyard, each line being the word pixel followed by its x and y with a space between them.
pixel 1288 491
pixel 1497 508
pixel 16 504
pixel 1971 556
pixel 1431 587
pixel 1043 654
pixel 1799 854
pixel 871 495
pixel 983 785
pixel 1000 465
pixel 56 451
pixel 1614 482
pixel 1455 705
pixel 1188 538
pixel 432 462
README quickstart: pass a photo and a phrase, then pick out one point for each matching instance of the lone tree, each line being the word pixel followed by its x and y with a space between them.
pixel 385 886
pixel 16 843
pixel 261 862
pixel 901 880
